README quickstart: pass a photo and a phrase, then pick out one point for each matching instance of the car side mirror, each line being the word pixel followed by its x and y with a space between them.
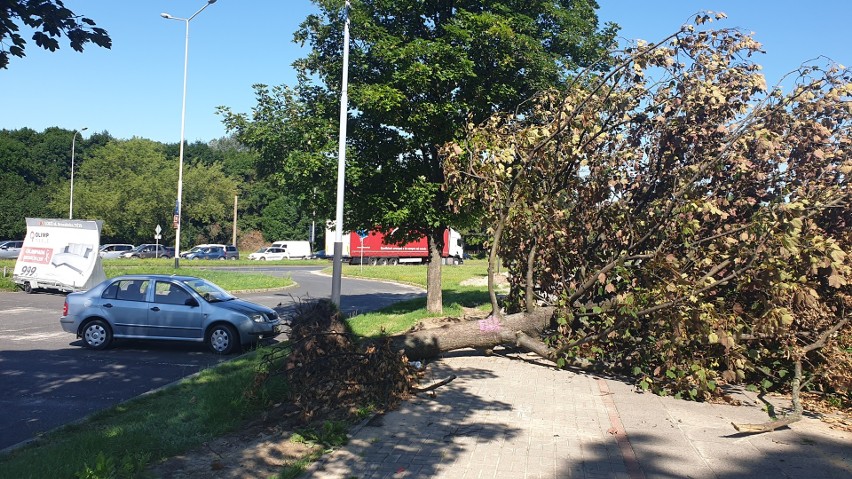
pixel 191 302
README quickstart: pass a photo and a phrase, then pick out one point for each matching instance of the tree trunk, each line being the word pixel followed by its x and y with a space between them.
pixel 518 329
pixel 434 294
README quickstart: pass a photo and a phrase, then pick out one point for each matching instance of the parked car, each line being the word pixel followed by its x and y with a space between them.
pixel 111 250
pixel 150 250
pixel 269 253
pixel 174 308
pixel 205 252
pixel 231 252
pixel 321 254
pixel 10 249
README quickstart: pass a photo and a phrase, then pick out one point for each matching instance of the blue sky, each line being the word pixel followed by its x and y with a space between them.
pixel 135 89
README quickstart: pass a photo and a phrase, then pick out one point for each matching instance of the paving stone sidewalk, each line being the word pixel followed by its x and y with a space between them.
pixel 505 418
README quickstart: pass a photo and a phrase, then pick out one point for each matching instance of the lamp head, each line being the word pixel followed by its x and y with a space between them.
pixel 211 2
pixel 166 15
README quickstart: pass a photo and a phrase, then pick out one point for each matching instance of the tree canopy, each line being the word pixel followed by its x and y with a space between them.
pixel 49 21
pixel 130 184
pixel 418 72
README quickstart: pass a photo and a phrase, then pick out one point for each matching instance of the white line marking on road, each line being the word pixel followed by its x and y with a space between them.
pixel 22 310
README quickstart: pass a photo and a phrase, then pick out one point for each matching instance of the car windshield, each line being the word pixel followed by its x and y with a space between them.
pixel 263 250
pixel 196 249
pixel 208 290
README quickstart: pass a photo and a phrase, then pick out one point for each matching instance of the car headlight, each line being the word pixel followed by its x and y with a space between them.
pixel 258 318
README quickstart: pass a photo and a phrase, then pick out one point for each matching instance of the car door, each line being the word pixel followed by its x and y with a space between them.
pixel 169 315
pixel 125 306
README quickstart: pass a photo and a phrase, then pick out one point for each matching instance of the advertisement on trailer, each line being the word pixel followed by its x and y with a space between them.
pixel 59 254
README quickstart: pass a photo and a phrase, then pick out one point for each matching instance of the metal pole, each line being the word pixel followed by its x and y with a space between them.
pixel 73 145
pixel 178 204
pixel 337 267
pixel 234 234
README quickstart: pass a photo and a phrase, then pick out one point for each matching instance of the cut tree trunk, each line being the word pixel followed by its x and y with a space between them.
pixel 518 329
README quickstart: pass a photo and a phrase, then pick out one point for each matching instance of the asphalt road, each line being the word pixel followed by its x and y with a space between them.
pixel 47 378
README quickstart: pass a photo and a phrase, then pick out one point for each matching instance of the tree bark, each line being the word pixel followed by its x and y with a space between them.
pixel 518 329
pixel 434 294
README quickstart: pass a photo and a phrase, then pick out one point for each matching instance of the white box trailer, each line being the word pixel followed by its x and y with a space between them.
pixel 60 255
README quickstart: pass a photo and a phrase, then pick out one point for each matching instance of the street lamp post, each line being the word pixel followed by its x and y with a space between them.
pixel 73 145
pixel 337 264
pixel 178 208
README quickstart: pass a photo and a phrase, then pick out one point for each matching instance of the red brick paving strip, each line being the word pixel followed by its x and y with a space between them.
pixel 617 430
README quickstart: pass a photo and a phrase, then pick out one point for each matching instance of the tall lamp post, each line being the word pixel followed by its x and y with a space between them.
pixel 337 264
pixel 178 209
pixel 73 145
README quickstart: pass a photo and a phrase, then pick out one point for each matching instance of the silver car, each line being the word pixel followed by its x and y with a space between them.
pixel 111 251
pixel 10 249
pixel 182 308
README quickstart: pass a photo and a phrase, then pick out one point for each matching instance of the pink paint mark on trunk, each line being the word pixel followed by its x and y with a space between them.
pixel 490 325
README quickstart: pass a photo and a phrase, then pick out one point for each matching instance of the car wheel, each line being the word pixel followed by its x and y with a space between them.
pixel 97 335
pixel 222 258
pixel 263 258
pixel 222 339
pixel 28 288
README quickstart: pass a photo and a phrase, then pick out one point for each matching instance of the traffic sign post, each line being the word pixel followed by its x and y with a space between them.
pixel 157 237
pixel 362 234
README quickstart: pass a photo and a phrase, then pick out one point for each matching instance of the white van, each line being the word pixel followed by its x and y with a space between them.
pixel 294 249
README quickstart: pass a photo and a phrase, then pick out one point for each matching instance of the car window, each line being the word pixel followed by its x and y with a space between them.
pixel 109 292
pixel 131 290
pixel 209 291
pixel 170 293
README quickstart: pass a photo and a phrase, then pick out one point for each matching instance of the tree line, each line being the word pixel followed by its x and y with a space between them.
pixel 132 186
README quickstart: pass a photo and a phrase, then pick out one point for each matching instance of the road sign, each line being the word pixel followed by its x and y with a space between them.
pixel 158 230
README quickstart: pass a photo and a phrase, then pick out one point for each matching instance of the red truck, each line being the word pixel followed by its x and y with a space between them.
pixel 369 247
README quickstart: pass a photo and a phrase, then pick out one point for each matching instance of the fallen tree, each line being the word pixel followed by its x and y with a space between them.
pixel 691 226
pixel 672 219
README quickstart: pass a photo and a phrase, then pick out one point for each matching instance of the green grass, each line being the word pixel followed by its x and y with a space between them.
pixel 120 441
pixel 403 315
pixel 229 280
